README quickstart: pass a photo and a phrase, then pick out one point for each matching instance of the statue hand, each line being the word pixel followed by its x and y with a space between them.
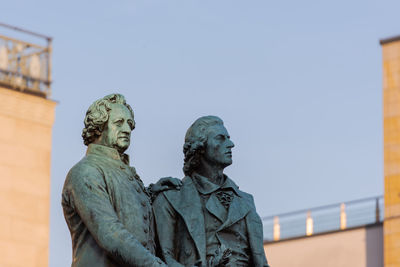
pixel 166 183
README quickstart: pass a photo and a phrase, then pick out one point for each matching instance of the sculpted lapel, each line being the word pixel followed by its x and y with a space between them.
pixel 238 209
pixel 188 204
pixel 215 207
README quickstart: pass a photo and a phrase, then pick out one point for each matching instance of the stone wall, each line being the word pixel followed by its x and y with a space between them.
pixel 391 126
pixel 25 144
pixel 359 247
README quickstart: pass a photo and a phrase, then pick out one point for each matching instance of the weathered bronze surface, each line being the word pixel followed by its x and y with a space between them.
pixel 106 206
pixel 205 220
pixel 209 221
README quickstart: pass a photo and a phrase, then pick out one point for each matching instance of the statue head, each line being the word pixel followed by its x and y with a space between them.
pixel 109 121
pixel 207 140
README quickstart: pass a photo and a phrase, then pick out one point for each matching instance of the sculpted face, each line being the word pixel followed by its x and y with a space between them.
pixel 117 132
pixel 219 146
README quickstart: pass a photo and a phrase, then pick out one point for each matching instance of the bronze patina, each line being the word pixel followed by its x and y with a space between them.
pixel 209 221
pixel 106 205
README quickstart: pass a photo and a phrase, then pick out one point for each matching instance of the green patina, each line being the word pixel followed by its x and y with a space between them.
pixel 209 221
pixel 203 220
pixel 106 206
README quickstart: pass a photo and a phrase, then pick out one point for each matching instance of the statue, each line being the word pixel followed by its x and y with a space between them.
pixel 106 206
pixel 209 221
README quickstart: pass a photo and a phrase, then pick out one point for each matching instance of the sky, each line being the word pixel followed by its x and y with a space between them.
pixel 297 83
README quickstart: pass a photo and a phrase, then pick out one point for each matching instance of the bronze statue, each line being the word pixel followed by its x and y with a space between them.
pixel 209 221
pixel 106 206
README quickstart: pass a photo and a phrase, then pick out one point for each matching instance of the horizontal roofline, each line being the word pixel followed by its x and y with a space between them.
pixel 376 224
pixel 389 40
pixel 48 38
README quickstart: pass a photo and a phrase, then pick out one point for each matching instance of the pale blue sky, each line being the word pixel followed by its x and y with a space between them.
pixel 298 84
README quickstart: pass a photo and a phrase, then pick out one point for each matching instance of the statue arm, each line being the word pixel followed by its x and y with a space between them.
pixel 165 219
pixel 92 203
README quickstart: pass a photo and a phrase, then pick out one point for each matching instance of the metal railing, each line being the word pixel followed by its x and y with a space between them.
pixel 323 219
pixel 25 66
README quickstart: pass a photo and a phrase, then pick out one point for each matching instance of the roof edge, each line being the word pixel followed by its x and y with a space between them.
pixel 389 40
pixel 376 224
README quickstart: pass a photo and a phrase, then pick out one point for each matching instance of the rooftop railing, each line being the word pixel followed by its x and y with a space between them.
pixel 323 219
pixel 25 66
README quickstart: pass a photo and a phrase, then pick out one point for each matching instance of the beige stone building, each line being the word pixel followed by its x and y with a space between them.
pixel 355 239
pixel 337 237
pixel 26 119
pixel 355 247
pixel 391 126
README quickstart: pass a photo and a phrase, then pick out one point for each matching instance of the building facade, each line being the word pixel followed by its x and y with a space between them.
pixel 391 136
pixel 26 119
pixel 370 243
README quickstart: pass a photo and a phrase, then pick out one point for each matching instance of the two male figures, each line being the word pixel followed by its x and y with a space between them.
pixel 108 209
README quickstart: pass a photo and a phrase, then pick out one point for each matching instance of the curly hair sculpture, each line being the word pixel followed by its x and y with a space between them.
pixel 97 116
pixel 196 140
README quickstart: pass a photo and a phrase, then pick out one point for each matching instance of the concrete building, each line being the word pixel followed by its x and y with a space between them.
pixel 350 237
pixel 26 119
pixel 366 242
pixel 391 136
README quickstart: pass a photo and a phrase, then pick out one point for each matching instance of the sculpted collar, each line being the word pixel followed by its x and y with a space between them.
pixel 107 152
pixel 205 187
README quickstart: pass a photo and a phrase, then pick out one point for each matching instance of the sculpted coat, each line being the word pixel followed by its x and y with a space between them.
pixel 108 212
pixel 180 225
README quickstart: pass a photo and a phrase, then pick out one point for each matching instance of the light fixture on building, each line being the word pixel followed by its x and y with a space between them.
pixel 309 224
pixel 277 229
pixel 343 217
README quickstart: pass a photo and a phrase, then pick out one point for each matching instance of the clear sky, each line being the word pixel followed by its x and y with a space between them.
pixel 298 84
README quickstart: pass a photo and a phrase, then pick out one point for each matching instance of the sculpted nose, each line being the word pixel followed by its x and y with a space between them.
pixel 126 128
pixel 230 143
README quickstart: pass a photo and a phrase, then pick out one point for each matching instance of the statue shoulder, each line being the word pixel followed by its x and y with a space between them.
pixel 84 174
pixel 247 197
pixel 183 194
pixel 86 169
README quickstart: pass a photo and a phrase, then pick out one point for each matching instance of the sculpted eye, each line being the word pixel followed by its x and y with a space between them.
pixel 119 122
pixel 220 137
